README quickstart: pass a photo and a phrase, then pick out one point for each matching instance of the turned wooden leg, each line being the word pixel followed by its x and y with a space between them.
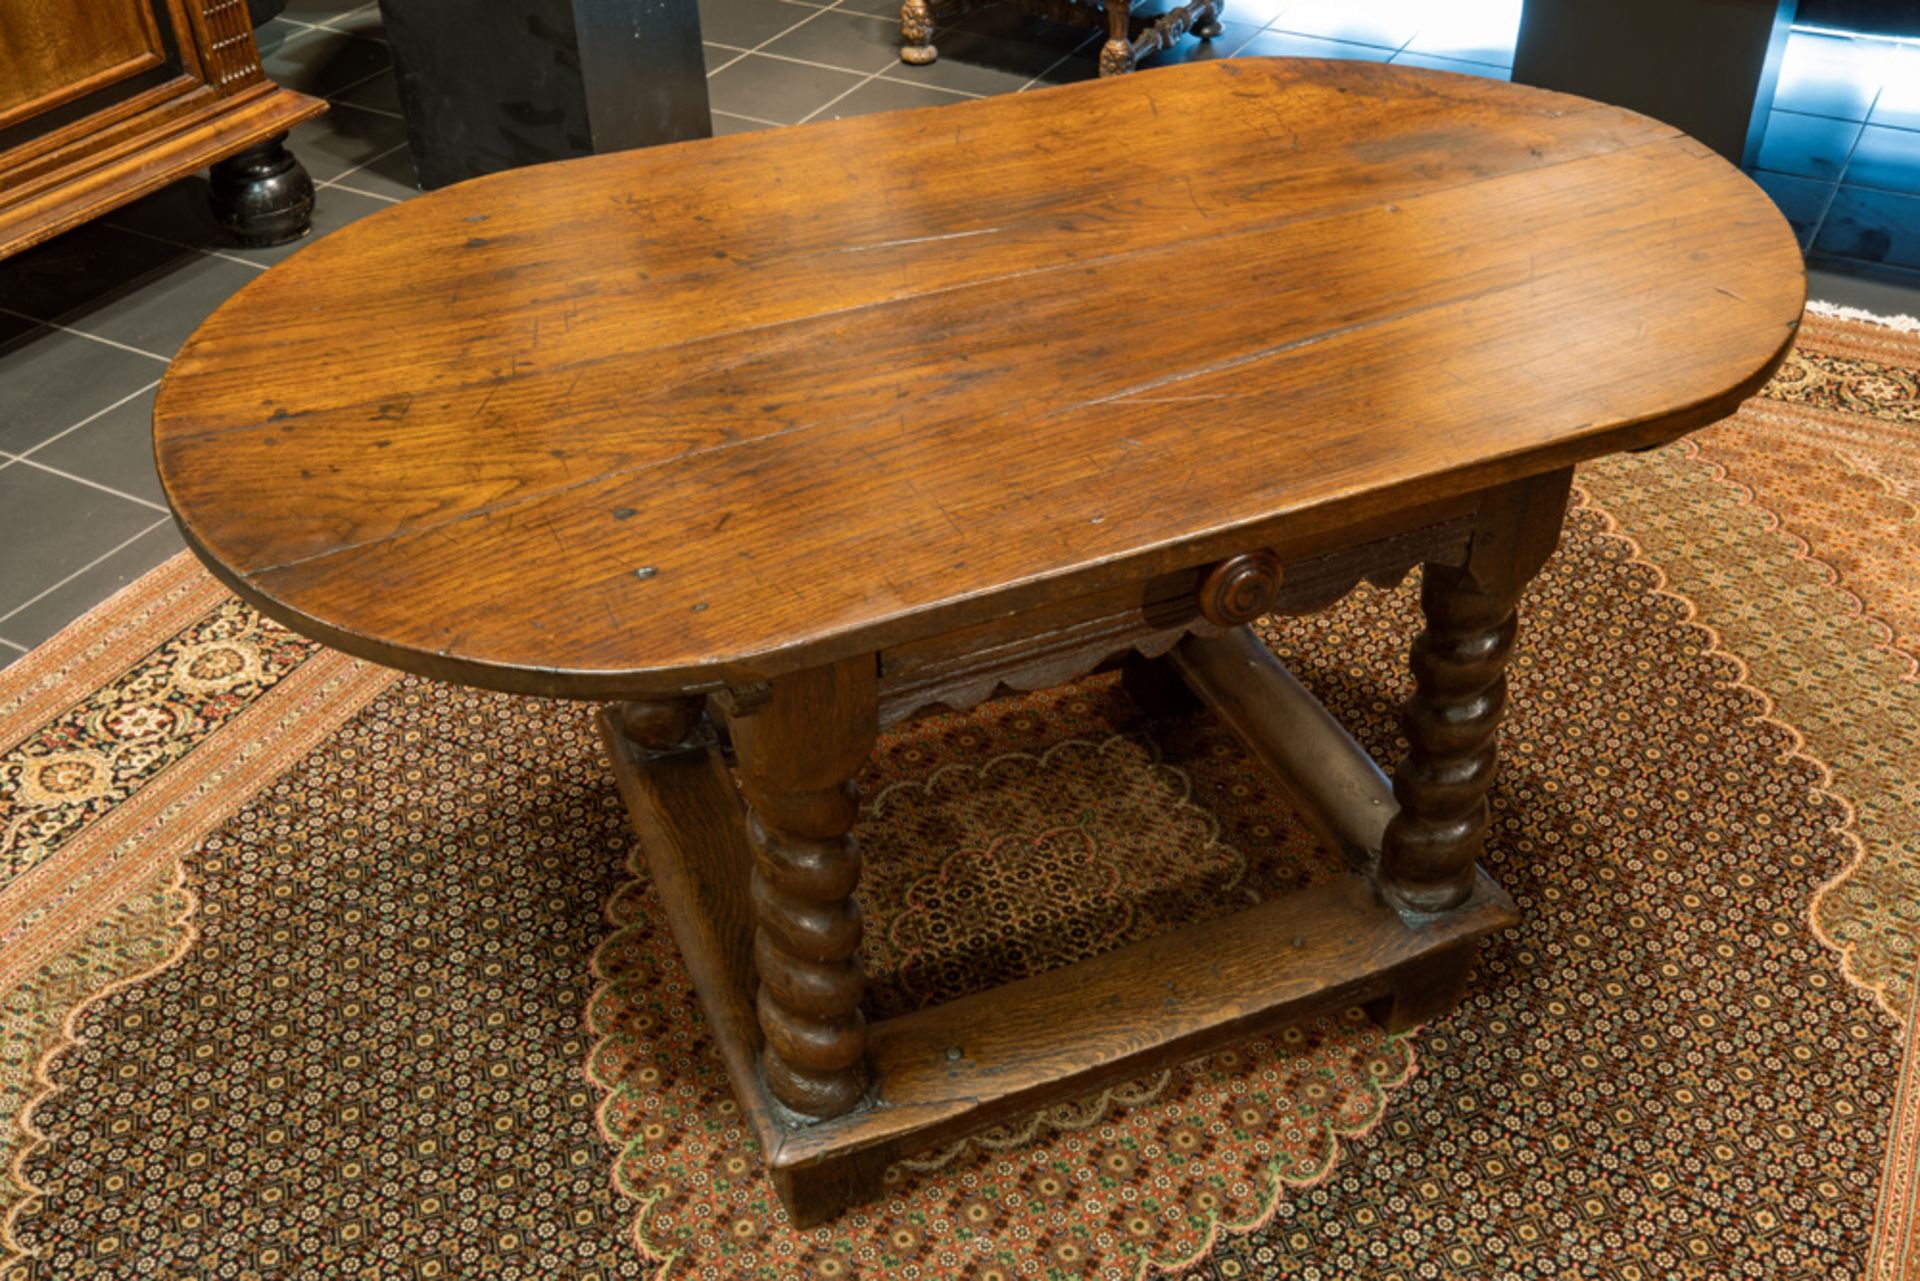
pixel 262 195
pixel 916 33
pixel 1209 27
pixel 798 752
pixel 1116 55
pixel 1460 690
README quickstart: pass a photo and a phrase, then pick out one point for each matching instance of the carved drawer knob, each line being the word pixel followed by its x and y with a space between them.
pixel 1240 589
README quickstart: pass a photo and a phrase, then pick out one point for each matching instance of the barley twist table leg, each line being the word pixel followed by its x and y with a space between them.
pixel 1460 691
pixel 797 756
pixel 1459 663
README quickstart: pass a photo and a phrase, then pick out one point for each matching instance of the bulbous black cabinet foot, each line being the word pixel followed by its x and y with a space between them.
pixel 263 196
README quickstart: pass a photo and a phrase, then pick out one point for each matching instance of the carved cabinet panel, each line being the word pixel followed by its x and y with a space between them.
pixel 102 101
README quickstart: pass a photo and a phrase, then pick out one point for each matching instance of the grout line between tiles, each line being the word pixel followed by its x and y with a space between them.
pixel 770 39
pixel 374 195
pixel 867 80
pixel 734 115
pixel 32 601
pixel 67 431
pixel 35 463
pixel 81 333
pixel 204 250
pixel 333 98
pixel 372 160
pixel 824 66
pixel 328 24
pixel 1061 61
pixel 4 642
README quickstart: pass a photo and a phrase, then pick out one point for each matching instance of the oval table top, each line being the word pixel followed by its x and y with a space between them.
pixel 716 411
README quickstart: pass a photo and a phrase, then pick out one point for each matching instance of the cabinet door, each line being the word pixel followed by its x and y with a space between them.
pixel 63 59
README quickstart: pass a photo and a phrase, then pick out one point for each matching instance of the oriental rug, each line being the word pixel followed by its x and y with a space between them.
pixel 312 970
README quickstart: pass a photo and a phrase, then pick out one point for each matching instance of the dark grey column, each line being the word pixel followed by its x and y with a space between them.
pixel 506 83
pixel 1706 66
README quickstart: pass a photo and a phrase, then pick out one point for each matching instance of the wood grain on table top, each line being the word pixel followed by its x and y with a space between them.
pixel 720 410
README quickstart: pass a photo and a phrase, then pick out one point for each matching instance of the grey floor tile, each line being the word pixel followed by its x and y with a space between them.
pixel 68 525
pixel 1883 292
pixel 345 138
pixel 1807 146
pixel 1080 64
pixel 1458 66
pixel 158 311
pixel 38 622
pixel 1886 159
pixel 1009 22
pixel 746 23
pixel 1284 44
pixel 9 652
pixel 887 95
pixel 50 380
pixel 313 12
pixel 776 90
pixel 851 41
pixel 1899 104
pixel 324 62
pixel 390 177
pixel 179 212
pixel 875 8
pixel 724 124
pixel 1880 227
pixel 718 56
pixel 1802 200
pixel 379 93
pixel 1385 23
pixel 114 449
pixel 85 264
pixel 1829 76
pixel 1484 31
pixel 977 64
pixel 365 22
pixel 274 32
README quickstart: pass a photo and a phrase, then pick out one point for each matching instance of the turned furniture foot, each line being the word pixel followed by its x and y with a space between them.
pixel 1452 720
pixel 916 33
pixel 1209 27
pixel 798 751
pixel 262 196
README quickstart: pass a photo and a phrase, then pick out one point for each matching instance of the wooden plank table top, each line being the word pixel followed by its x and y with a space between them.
pixel 716 412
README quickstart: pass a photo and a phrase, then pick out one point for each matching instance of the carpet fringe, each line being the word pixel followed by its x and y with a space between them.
pixel 1834 311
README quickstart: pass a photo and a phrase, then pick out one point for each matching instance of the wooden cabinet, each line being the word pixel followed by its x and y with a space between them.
pixel 102 101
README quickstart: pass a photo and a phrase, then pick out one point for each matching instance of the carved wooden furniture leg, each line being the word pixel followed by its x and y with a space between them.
pixel 1209 26
pixel 1116 55
pixel 916 33
pixel 1452 719
pixel 262 196
pixel 797 752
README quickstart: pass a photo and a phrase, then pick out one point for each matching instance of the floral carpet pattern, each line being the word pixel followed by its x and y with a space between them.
pixel 309 969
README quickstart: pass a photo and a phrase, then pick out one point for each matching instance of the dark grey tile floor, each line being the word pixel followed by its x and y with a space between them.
pixel 89 321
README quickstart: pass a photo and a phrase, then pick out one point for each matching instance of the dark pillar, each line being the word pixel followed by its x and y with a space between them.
pixel 515 82
pixel 1705 66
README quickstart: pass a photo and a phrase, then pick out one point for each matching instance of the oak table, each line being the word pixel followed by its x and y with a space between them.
pixel 779 439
